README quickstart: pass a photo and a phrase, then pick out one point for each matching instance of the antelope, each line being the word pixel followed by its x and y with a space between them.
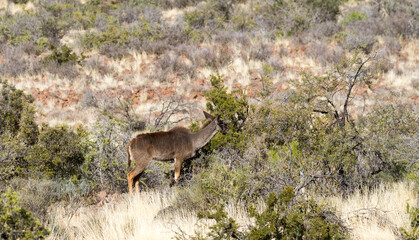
pixel 177 144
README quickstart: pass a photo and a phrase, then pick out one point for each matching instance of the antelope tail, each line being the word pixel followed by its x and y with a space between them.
pixel 129 155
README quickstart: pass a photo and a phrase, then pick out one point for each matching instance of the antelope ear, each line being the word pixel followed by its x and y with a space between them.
pixel 208 116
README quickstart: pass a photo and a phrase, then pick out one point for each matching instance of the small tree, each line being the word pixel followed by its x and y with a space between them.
pixel 18 130
pixel 231 107
pixel 332 94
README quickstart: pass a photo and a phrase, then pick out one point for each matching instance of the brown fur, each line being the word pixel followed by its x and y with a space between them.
pixel 177 144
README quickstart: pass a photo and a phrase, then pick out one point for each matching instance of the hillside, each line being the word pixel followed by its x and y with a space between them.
pixel 320 99
pixel 151 75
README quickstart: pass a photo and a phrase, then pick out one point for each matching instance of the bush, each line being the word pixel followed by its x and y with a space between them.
pixel 176 3
pixel 53 29
pixel 66 70
pixel 329 9
pixel 288 18
pixel 353 17
pixel 13 103
pixel 20 1
pixel 175 64
pixel 213 57
pixel 59 152
pixel 18 129
pixel 284 217
pixel 305 138
pixel 214 184
pixel 62 62
pixel 232 108
pixel 64 55
pixel 16 222
pixel 324 55
pixel 261 52
pixel 20 29
pixel 105 164
pixel 242 20
pixel 133 36
pixel 39 195
pixel 391 131
pixel 97 63
pixel 224 228
pixel 16 60
pixel 401 14
pixel 414 224
pixel 207 16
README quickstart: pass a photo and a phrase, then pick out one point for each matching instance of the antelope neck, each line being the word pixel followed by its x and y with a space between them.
pixel 204 135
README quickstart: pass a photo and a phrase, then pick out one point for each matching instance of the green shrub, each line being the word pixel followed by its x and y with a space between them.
pixel 20 1
pixel 134 35
pixel 305 139
pixel 232 107
pixel 64 55
pixel 16 222
pixel 225 227
pixel 288 18
pixel 414 224
pixel 211 15
pixel 284 217
pixel 18 129
pixel 391 132
pixel 329 9
pixel 20 29
pixel 282 123
pixel 13 104
pixel 242 20
pixel 28 132
pixel 353 17
pixel 59 152
pixel 308 132
pixel 27 150
pixel 288 140
pixel 53 29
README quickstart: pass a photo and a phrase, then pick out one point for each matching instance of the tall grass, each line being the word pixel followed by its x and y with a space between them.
pixel 377 213
pixel 374 214
pixel 144 216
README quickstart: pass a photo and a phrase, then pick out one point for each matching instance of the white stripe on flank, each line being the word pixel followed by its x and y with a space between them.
pixel 130 153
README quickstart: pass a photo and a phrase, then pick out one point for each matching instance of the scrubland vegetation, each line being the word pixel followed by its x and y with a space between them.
pixel 320 98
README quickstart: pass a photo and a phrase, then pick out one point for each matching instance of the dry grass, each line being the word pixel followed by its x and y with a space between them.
pixel 137 217
pixel 404 77
pixel 12 8
pixel 171 15
pixel 371 215
pixel 377 214
pixel 128 218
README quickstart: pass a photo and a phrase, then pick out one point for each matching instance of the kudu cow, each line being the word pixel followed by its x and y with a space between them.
pixel 177 144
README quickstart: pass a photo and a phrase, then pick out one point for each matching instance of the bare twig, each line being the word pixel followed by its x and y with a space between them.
pixel 171 107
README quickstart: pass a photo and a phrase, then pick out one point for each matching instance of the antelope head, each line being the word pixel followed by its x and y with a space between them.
pixel 221 125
